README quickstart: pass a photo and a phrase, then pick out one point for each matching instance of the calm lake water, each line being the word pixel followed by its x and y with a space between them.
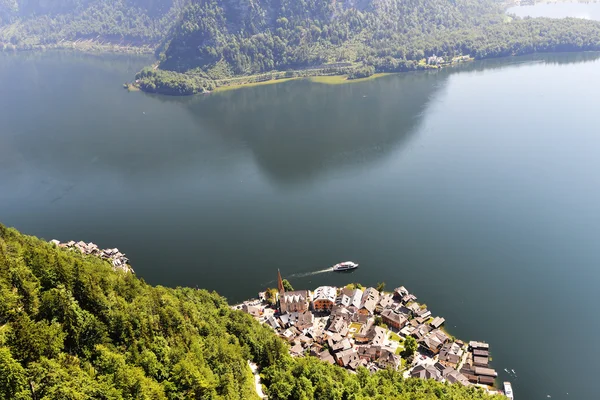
pixel 477 188
pixel 559 10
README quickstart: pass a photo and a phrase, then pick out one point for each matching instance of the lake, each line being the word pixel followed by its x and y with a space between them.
pixel 475 187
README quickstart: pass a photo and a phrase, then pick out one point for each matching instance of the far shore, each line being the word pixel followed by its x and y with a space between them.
pixel 324 79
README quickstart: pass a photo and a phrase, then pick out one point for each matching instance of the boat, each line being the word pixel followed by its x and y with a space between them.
pixel 508 392
pixel 345 266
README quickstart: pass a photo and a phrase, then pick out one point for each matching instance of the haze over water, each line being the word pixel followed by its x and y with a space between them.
pixel 477 188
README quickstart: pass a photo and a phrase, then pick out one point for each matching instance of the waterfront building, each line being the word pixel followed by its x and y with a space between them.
pixel 324 298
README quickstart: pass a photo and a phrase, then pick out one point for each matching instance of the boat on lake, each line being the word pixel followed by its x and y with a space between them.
pixel 345 266
pixel 508 392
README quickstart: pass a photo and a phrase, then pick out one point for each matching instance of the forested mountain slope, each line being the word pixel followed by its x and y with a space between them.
pixel 215 40
pixel 28 23
pixel 72 328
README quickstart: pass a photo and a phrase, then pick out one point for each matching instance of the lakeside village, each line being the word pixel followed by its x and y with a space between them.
pixel 116 259
pixel 352 327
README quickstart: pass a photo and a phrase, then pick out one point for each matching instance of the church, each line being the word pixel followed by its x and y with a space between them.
pixel 296 301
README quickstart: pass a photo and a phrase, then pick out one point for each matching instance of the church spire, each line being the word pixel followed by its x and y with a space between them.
pixel 280 283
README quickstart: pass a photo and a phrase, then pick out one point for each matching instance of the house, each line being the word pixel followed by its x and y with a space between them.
pixel 388 359
pixel 357 362
pixel 485 372
pixel 350 297
pixel 407 330
pixel 385 301
pixel 480 361
pixel 369 301
pixel 420 331
pixel 426 372
pixel 481 353
pixel 434 60
pixel 453 376
pixel 327 357
pixel 487 380
pixel 469 374
pixel 377 336
pixel 256 312
pixel 402 309
pixel 400 292
pixel 297 350
pixel 408 298
pixel 338 325
pixel 473 345
pixel 369 353
pixel 437 322
pixel 324 298
pixel 345 357
pixel 339 346
pixel 305 320
pixel 433 342
pixel 272 322
pixel 423 313
pixel 289 334
pixel 414 308
pixel 393 319
pixel 55 242
pixel 450 354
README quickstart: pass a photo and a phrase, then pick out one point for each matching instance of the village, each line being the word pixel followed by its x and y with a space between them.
pixel 355 327
pixel 116 259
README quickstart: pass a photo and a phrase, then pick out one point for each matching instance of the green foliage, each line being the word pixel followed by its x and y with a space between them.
pixel 380 286
pixel 171 83
pixel 72 328
pixel 271 296
pixel 410 346
pixel 26 24
pixel 354 286
pixel 287 285
pixel 385 36
pixel 364 72
pixel 13 382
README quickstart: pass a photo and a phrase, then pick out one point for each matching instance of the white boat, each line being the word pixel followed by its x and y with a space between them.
pixel 508 392
pixel 345 266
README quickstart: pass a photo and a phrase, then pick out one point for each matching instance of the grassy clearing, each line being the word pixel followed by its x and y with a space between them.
pixel 356 326
pixel 395 337
pixel 341 79
pixel 244 84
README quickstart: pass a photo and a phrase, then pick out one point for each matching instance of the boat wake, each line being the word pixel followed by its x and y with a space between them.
pixel 305 274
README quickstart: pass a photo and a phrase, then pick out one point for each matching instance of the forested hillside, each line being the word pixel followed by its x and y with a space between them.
pixel 213 41
pixel 72 328
pixel 29 23
pixel 216 40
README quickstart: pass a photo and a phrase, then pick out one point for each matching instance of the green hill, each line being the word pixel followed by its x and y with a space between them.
pixel 203 44
pixel 31 23
pixel 72 328
pixel 216 40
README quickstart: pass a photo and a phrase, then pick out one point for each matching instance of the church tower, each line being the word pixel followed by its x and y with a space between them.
pixel 280 284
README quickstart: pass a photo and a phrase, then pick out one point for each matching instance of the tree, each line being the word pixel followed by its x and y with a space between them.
pixel 380 286
pixel 287 285
pixel 379 321
pixel 271 296
pixel 410 347
pixel 13 382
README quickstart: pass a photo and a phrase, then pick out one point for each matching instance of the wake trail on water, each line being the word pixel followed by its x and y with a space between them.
pixel 305 274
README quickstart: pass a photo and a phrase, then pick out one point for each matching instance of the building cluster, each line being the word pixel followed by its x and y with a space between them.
pixel 352 327
pixel 117 259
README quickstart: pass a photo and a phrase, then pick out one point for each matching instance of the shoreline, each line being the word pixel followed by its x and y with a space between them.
pixel 354 327
pixel 83 46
